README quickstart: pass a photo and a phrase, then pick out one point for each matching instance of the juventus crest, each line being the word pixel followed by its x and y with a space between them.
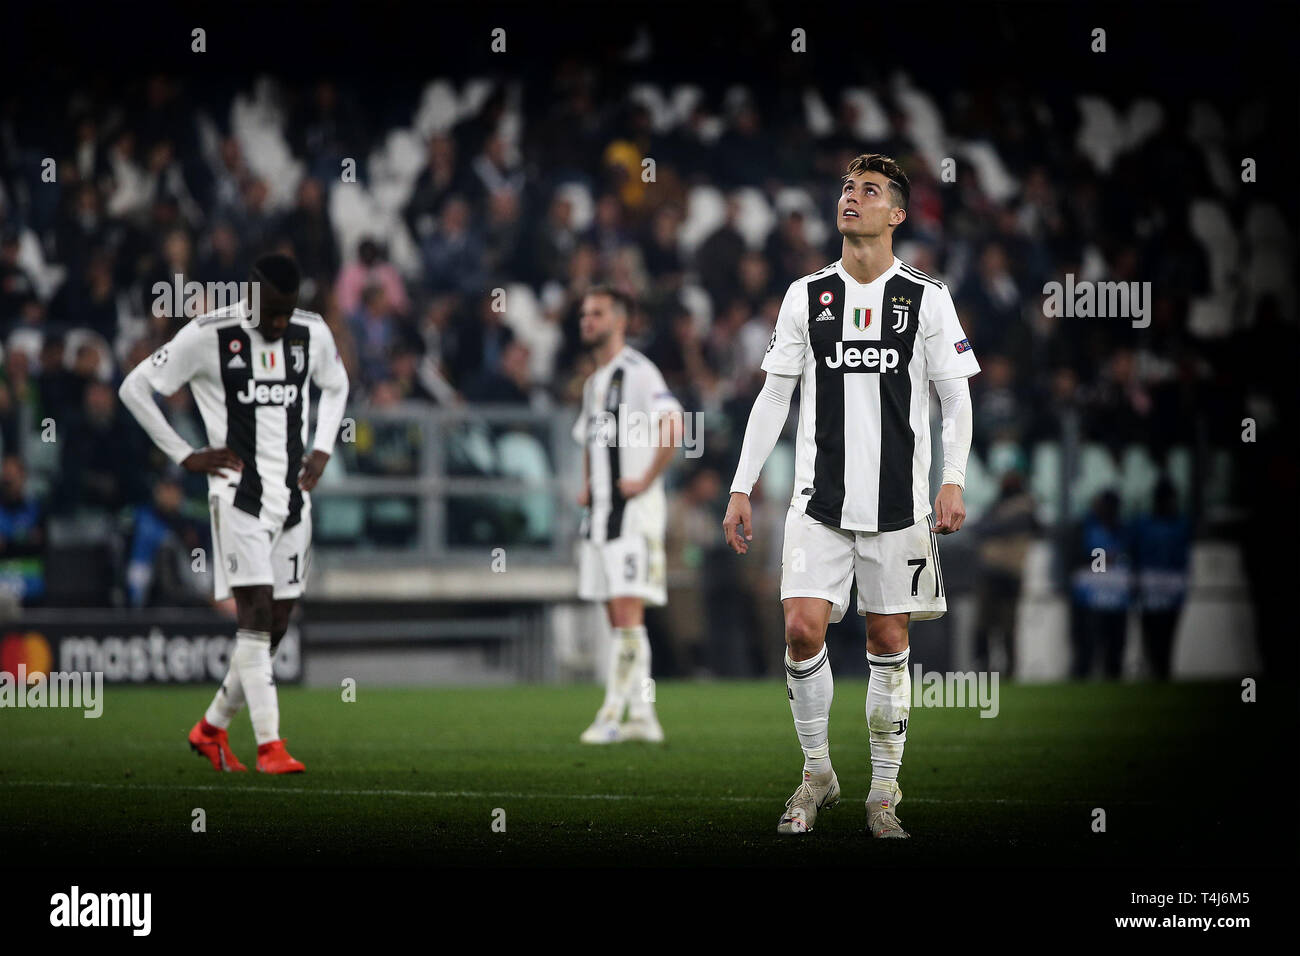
pixel 298 355
pixel 902 311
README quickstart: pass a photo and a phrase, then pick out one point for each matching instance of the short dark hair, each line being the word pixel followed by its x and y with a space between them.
pixel 622 301
pixel 279 271
pixel 899 186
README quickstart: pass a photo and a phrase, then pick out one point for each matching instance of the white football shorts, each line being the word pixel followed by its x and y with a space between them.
pixel 897 571
pixel 247 553
pixel 630 566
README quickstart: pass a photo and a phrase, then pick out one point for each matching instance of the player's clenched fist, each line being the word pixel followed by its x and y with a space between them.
pixel 737 526
pixel 212 461
pixel 949 510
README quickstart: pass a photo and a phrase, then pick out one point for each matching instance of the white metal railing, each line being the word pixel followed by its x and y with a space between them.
pixel 417 485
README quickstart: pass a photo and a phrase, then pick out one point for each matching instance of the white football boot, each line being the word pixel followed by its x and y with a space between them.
pixel 816 792
pixel 882 817
pixel 603 730
pixel 643 728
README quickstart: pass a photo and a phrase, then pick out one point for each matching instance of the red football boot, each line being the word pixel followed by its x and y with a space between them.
pixel 213 743
pixel 273 758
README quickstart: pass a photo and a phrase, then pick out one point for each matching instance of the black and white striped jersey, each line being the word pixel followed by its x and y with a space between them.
pixel 623 403
pixel 866 355
pixel 254 397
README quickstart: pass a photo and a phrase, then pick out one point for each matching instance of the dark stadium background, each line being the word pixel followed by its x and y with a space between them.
pixel 1008 75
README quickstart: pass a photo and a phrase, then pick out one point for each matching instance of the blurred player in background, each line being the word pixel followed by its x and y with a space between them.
pixel 863 338
pixel 250 376
pixel 630 427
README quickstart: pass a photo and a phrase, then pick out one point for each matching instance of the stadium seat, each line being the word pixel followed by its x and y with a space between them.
pixel 778 473
pixel 1138 477
pixel 791 199
pixel 1005 456
pixel 697 301
pixel 1045 480
pixel 522 456
pixel 1094 267
pixel 474 93
pixel 582 203
pixel 1211 316
pixel 816 114
pixel 1101 132
pixel 392 522
pixel 994 178
pixel 873 122
pixel 403 252
pixel 357 213
pixel 352 215
pixel 41 458
pixel 130 329
pixel 338 520
pixel 1178 466
pixel 1097 473
pixel 756 217
pixel 705 212
pixel 258 122
pixel 924 125
pixel 210 137
pixel 394 167
pixel 685 97
pixel 1145 118
pixel 1218 482
pixel 470 450
pixel 439 109
pixel 656 103
pixel 76 338
pixel 1209 222
pixel 981 488
pixel 27 340
pixel 46 276
pixel 526 319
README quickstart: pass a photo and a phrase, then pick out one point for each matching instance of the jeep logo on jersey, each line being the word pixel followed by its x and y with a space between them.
pixel 867 358
pixel 260 393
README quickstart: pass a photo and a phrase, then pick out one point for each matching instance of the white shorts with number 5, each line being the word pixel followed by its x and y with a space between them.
pixel 247 553
pixel 897 571
pixel 630 566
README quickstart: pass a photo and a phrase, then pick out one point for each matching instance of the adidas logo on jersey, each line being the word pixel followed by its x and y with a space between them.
pixel 868 358
pixel 264 394
pixel 237 361
pixel 826 316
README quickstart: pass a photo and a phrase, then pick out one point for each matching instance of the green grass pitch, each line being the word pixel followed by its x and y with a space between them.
pixel 414 777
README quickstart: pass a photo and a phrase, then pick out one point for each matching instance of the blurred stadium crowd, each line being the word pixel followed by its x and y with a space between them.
pixel 543 188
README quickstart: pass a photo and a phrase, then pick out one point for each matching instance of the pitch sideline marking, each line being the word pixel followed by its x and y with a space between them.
pixel 484 794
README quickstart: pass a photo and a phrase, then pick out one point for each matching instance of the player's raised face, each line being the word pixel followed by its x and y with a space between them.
pixel 600 318
pixel 866 208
